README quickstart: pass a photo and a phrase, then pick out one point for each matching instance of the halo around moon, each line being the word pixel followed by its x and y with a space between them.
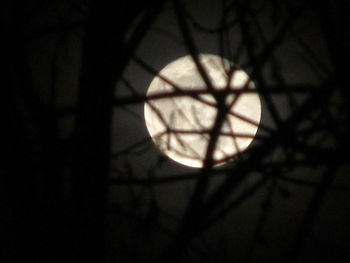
pixel 180 110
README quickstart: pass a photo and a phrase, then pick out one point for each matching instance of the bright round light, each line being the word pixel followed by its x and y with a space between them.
pixel 180 124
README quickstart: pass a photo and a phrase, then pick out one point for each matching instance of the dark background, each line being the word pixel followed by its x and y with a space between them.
pixel 81 181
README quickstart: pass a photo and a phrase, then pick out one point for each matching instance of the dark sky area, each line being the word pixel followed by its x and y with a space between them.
pixel 82 181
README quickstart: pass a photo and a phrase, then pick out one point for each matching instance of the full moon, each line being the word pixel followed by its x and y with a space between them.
pixel 181 109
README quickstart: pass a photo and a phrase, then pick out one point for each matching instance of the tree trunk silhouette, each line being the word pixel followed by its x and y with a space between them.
pixel 105 55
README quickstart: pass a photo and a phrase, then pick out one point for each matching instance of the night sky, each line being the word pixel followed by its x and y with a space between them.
pixel 83 181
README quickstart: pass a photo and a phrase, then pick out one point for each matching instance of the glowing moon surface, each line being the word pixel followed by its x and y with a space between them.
pixel 179 119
